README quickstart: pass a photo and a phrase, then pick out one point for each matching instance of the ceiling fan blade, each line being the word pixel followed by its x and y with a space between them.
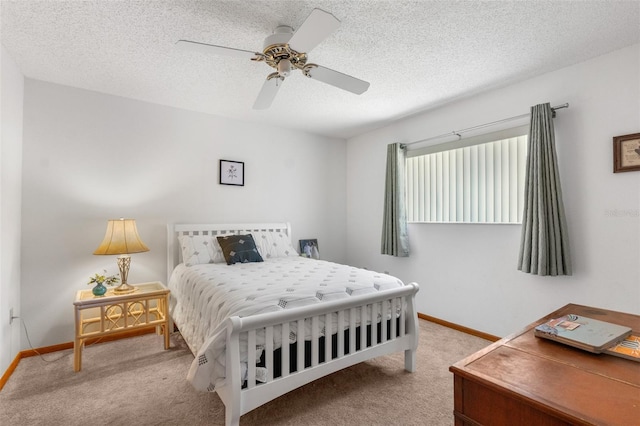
pixel 268 91
pixel 337 79
pixel 217 50
pixel 318 25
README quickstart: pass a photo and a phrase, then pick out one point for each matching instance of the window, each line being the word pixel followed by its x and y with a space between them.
pixel 478 180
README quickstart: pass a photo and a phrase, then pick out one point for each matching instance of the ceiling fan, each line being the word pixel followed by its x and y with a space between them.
pixel 286 50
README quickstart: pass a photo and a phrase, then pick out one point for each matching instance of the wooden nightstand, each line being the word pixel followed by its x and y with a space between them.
pixel 112 314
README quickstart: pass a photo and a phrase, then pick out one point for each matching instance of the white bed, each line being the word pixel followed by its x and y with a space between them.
pixel 234 316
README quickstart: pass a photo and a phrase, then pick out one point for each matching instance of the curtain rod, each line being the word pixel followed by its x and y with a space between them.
pixel 493 123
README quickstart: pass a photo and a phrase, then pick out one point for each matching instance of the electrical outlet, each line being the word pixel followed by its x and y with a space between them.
pixel 10 315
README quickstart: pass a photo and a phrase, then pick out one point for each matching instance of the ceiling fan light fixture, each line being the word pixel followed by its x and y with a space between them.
pixel 284 67
pixel 286 50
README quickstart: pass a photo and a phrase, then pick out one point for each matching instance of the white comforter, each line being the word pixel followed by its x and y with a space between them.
pixel 204 296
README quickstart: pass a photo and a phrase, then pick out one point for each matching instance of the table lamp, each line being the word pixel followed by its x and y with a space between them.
pixel 122 239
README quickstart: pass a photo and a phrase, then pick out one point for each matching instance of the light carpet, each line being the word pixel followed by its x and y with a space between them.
pixel 135 381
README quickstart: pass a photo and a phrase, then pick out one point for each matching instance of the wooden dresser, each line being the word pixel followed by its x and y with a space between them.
pixel 526 380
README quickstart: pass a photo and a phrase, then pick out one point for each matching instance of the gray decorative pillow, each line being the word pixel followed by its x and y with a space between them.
pixel 239 249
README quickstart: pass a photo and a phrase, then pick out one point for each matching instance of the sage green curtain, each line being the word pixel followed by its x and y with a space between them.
pixel 395 240
pixel 544 245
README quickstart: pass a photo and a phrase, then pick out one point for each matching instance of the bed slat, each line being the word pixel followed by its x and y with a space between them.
pixel 251 358
pixel 403 319
pixel 383 321
pixel 340 334
pixel 364 320
pixel 352 330
pixel 315 335
pixel 300 340
pixel 374 322
pixel 328 341
pixel 394 310
pixel 268 351
pixel 286 348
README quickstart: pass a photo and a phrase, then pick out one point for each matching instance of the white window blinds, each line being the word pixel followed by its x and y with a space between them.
pixel 481 183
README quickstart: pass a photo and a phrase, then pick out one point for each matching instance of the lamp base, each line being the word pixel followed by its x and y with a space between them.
pixel 124 289
pixel 124 261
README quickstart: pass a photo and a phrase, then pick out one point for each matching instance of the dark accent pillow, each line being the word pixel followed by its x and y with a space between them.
pixel 239 249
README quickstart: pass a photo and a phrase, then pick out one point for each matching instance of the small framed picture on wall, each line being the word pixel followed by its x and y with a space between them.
pixel 231 173
pixel 626 153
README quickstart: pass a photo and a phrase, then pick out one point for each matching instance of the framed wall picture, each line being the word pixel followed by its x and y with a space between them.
pixel 626 153
pixel 231 173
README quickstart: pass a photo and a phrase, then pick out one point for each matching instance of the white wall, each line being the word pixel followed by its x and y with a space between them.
pixel 468 273
pixel 10 195
pixel 89 157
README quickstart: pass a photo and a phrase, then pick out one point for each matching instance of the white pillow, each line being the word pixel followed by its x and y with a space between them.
pixel 218 255
pixel 273 244
pixel 197 249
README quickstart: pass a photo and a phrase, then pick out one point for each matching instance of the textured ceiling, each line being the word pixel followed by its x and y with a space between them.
pixel 416 54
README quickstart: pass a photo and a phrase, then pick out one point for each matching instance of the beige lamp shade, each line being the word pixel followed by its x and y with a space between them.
pixel 121 238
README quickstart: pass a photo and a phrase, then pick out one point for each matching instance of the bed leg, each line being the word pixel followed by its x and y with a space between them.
pixel 410 360
pixel 232 416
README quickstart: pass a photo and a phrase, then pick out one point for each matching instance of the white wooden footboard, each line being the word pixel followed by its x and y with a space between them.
pixel 350 313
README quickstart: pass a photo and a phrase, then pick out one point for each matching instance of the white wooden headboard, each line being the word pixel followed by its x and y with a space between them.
pixel 174 252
